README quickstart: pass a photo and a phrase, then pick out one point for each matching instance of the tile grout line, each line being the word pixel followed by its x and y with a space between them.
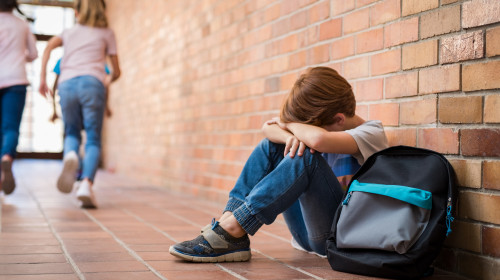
pixel 267 256
pixel 130 251
pixel 58 237
pixel 271 258
pixel 173 239
pixel 290 266
pixel 150 225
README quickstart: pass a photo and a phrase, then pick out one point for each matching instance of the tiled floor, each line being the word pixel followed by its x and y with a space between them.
pixel 45 235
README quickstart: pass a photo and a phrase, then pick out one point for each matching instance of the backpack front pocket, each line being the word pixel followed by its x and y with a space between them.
pixel 384 217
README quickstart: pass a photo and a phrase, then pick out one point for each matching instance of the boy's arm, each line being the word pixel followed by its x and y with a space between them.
pixel 321 140
pixel 276 134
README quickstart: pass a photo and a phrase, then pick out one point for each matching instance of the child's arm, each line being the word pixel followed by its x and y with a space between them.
pixel 319 139
pixel 276 134
pixel 53 43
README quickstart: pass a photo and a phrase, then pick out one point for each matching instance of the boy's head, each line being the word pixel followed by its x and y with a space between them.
pixel 317 96
pixel 91 12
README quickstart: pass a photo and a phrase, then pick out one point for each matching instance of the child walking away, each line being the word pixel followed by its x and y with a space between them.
pixel 317 142
pixel 82 90
pixel 17 46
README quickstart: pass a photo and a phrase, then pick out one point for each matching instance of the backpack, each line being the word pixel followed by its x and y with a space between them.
pixel 395 215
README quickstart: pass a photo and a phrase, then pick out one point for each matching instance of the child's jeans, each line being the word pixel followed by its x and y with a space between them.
pixel 303 188
pixel 82 105
pixel 13 99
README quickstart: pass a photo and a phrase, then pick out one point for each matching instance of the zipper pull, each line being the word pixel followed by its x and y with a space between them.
pixel 449 218
pixel 346 200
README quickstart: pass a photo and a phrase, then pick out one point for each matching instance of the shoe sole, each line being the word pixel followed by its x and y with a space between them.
pixel 241 256
pixel 8 184
pixel 87 201
pixel 67 177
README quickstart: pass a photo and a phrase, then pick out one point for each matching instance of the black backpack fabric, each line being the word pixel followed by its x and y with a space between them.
pixel 414 172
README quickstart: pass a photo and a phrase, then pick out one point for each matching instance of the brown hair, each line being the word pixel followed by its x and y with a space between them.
pixel 91 13
pixel 317 96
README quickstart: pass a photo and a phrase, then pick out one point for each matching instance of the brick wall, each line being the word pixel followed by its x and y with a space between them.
pixel 200 78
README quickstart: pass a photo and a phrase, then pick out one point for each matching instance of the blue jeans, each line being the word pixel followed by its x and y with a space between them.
pixel 82 105
pixel 304 189
pixel 12 99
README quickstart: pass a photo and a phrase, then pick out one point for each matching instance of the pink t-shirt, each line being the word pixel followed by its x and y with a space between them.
pixel 85 51
pixel 17 46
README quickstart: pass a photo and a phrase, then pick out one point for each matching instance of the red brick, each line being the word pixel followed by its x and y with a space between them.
pixel 416 6
pixel 330 29
pixel 481 142
pixel 298 60
pixel 480 12
pixel 442 140
pixel 362 111
pixel 319 12
pixel 467 109
pixel 468 172
pixel 406 136
pixel 298 20
pixel 356 21
pixel 370 41
pixel 479 206
pixel 418 112
pixel 491 241
pixel 361 3
pixel 462 47
pixel 441 21
pixel 491 175
pixel 440 79
pixel 288 44
pixel 465 231
pixel 356 68
pixel 446 2
pixel 401 32
pixel 343 48
pixel 481 76
pixel 369 90
pixel 420 54
pixel 492 108
pixel 387 113
pixel 385 11
pixel 386 62
pixel 319 54
pixel 483 268
pixel 401 85
pixel 288 80
pixel 342 6
pixel 492 39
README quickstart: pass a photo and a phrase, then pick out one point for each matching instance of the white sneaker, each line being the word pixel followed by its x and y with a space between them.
pixel 297 246
pixel 85 194
pixel 68 174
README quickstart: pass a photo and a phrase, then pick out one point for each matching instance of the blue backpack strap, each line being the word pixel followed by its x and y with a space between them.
pixel 418 197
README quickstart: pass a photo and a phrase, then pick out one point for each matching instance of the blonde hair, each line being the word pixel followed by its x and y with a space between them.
pixel 317 96
pixel 91 13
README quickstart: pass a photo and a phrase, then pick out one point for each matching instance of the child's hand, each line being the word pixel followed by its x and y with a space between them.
pixel 44 89
pixel 294 146
pixel 276 120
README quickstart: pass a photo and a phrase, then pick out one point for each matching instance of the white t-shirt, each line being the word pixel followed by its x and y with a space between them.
pixel 17 46
pixel 370 137
pixel 85 51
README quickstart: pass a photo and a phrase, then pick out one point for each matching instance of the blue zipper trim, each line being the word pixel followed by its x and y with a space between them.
pixel 418 197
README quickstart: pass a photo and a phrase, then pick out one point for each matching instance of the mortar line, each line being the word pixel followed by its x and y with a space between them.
pixel 119 241
pixel 67 256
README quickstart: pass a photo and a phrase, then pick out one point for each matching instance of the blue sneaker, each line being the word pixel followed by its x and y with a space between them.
pixel 213 245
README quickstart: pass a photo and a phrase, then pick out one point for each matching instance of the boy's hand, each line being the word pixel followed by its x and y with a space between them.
pixel 294 146
pixel 276 120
